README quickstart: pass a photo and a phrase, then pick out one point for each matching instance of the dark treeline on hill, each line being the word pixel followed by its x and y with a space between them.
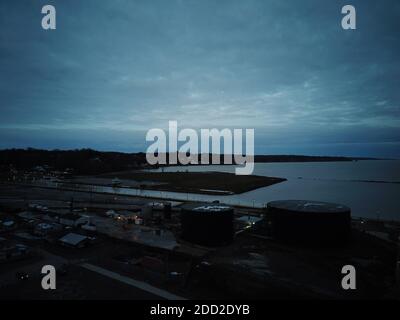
pixel 88 161
pixel 82 161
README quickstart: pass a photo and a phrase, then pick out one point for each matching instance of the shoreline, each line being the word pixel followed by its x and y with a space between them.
pixel 255 207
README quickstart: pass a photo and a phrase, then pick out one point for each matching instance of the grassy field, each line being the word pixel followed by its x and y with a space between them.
pixel 196 182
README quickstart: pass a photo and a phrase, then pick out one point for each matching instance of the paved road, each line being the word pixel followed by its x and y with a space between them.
pixel 135 283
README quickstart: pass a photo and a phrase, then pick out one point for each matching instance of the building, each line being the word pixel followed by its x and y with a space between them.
pixel 45 229
pixel 10 251
pixel 50 216
pixel 89 225
pixel 71 220
pixel 74 240
pixel 27 216
pixel 8 224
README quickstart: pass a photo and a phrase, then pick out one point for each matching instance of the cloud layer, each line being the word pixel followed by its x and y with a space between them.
pixel 114 69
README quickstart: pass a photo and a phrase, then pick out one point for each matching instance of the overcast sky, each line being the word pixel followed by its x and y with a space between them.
pixel 114 69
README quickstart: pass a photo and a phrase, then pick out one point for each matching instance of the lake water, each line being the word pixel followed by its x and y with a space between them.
pixel 368 187
pixel 371 188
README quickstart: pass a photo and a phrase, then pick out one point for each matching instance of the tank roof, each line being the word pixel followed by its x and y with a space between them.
pixel 206 207
pixel 307 206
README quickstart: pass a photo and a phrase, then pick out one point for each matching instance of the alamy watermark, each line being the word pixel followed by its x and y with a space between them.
pixel 49 280
pixel 196 150
pixel 348 21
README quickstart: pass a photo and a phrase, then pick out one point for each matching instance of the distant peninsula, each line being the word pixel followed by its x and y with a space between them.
pixel 92 162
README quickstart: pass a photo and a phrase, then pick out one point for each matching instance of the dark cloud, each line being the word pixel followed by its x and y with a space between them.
pixel 285 68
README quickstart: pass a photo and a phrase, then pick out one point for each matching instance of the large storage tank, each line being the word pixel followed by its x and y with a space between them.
pixel 207 224
pixel 310 221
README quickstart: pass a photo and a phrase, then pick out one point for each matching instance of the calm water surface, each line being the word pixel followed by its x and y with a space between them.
pixel 369 187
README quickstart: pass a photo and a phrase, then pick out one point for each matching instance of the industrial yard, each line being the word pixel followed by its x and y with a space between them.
pixel 113 246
